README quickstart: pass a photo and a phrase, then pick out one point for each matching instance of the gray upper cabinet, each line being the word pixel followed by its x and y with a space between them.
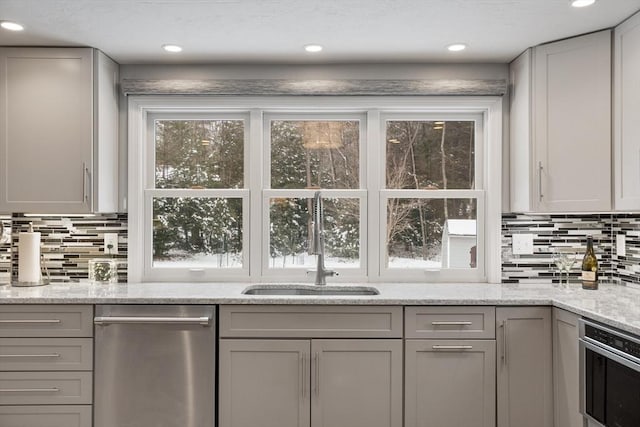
pixel 58 112
pixel 560 130
pixel 626 110
pixel 524 367
pixel 566 372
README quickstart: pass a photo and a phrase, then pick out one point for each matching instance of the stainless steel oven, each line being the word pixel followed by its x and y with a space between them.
pixel 610 376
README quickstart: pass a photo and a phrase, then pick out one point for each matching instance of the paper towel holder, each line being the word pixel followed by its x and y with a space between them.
pixel 45 278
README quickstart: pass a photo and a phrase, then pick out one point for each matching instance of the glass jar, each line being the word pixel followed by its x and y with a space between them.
pixel 103 271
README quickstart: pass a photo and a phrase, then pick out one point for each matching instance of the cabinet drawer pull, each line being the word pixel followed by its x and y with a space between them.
pixel 18 321
pixel 451 323
pixel 29 390
pixel 30 355
pixel 204 321
pixel 452 347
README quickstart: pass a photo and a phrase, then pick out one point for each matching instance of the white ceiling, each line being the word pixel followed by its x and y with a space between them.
pixel 274 31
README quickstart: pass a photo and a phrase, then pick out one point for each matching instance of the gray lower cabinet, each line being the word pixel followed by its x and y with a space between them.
pixel 45 416
pixel 566 372
pixel 46 365
pixel 524 367
pixel 450 383
pixel 264 383
pixel 356 383
pixel 317 382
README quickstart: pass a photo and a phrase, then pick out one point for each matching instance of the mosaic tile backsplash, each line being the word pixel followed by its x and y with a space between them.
pixel 571 231
pixel 67 244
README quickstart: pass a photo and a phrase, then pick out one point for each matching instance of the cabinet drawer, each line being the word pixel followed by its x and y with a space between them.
pixel 311 321
pixel 45 416
pixel 45 388
pixel 450 322
pixel 46 354
pixel 46 321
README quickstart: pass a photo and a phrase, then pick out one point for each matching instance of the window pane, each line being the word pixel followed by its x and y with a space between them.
pixel 291 227
pixel 315 154
pixel 431 233
pixel 199 153
pixel 430 155
pixel 197 232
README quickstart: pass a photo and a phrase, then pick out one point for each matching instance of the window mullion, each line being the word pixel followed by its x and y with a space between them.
pixel 258 158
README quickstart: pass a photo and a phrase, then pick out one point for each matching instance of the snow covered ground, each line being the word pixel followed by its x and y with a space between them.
pixel 291 261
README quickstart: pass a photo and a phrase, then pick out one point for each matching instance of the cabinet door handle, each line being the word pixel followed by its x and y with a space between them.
pixel 540 169
pixel 316 358
pixel 302 380
pixel 505 336
pixel 18 321
pixel 451 323
pixel 204 321
pixel 452 347
pixel 29 390
pixel 86 186
pixel 8 356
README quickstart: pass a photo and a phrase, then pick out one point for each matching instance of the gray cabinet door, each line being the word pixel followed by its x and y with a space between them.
pixel 356 383
pixel 626 109
pixel 264 383
pixel 450 383
pixel 46 117
pixel 566 372
pixel 524 367
pixel 572 124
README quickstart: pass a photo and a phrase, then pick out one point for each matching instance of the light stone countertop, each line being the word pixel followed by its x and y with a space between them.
pixel 614 304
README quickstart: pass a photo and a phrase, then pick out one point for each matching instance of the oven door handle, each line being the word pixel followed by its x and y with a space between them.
pixel 609 354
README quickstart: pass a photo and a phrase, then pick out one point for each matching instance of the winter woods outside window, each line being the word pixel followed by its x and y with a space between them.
pixel 228 193
pixel 430 155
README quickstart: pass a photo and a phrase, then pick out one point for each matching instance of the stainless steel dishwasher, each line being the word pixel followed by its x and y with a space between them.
pixel 154 366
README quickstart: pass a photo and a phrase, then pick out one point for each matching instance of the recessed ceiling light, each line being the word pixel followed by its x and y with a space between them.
pixel 11 26
pixel 313 48
pixel 582 3
pixel 457 47
pixel 172 48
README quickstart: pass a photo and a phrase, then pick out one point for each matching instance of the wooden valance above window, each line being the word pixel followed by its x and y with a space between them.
pixel 292 87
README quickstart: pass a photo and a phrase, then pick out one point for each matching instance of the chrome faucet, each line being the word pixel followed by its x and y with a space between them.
pixel 317 242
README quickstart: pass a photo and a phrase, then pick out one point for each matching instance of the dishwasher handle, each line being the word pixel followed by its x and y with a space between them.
pixel 108 320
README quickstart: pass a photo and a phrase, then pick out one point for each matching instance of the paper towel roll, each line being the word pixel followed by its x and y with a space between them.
pixel 29 257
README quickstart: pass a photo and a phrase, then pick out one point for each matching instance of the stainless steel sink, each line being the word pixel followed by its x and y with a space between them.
pixel 310 290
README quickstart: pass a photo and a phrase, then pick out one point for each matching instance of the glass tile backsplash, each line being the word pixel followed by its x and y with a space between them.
pixel 551 231
pixel 69 242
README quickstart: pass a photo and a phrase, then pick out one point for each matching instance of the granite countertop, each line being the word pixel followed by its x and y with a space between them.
pixel 614 304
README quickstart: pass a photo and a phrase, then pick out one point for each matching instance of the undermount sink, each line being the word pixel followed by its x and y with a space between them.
pixel 310 290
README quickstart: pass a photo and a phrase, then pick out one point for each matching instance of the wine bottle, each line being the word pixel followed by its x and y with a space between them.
pixel 590 267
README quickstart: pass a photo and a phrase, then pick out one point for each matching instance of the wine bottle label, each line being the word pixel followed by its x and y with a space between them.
pixel 589 276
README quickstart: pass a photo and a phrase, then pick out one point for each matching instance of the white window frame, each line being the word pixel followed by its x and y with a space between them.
pixel 478 193
pixel 375 108
pixel 300 273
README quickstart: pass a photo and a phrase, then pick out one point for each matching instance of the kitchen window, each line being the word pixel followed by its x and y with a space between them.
pixel 220 188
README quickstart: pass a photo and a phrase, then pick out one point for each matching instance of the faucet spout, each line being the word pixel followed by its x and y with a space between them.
pixel 318 241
